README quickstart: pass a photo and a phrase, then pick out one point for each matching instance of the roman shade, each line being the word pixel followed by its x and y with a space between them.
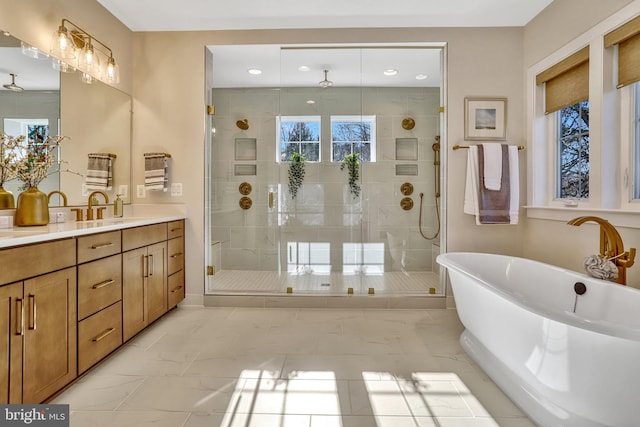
pixel 567 82
pixel 627 37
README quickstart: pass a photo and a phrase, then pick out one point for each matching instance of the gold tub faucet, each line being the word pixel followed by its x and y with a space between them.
pixel 92 201
pixel 611 245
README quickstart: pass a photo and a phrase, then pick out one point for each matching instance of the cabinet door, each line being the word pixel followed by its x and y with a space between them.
pixel 157 281
pixel 134 312
pixel 50 351
pixel 11 328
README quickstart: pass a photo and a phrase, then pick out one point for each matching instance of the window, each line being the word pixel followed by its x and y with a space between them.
pixel 636 141
pixel 573 151
pixel 299 134
pixel 353 134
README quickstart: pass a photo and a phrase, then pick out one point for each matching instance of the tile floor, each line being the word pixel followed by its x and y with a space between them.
pixel 255 367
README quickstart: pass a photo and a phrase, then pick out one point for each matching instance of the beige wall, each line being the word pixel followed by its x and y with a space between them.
pixel 169 106
pixel 561 22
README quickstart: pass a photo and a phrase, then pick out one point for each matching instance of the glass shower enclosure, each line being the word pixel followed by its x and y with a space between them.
pixel 325 180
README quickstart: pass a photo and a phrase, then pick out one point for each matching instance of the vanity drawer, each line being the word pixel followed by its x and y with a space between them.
pixel 176 288
pixel 97 246
pixel 23 262
pixel 99 335
pixel 175 255
pixel 146 235
pixel 99 285
pixel 175 229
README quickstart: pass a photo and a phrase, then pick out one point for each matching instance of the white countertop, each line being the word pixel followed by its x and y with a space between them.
pixel 134 217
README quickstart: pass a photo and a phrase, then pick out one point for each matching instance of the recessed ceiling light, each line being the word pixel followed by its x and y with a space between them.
pixel 390 72
pixel 254 71
pixel 311 101
pixel 421 77
pixel 303 68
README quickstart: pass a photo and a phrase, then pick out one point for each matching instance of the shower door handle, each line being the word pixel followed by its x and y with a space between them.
pixel 270 199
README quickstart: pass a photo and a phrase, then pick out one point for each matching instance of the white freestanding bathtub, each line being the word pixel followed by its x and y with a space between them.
pixel 562 367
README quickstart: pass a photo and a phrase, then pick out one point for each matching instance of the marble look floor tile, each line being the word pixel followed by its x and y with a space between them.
pixel 371 421
pixel 128 419
pixel 102 393
pixel 240 367
pixel 181 394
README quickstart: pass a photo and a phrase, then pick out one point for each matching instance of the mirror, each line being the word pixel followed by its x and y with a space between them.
pixel 96 117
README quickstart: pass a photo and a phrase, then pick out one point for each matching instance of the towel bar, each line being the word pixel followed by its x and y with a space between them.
pixel 457 147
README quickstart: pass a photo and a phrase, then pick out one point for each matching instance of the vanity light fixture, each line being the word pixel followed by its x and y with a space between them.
pixel 390 72
pixel 77 49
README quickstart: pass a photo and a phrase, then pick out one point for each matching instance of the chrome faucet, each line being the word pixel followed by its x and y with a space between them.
pixel 93 200
pixel 611 246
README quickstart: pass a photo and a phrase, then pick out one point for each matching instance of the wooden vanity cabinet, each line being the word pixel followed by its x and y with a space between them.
pixel 49 334
pixel 175 263
pixel 99 297
pixel 38 349
pixel 11 328
pixel 144 277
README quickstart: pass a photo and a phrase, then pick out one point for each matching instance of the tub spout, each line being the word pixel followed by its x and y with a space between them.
pixel 611 245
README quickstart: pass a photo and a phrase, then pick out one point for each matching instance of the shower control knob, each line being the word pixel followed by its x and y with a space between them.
pixel 406 203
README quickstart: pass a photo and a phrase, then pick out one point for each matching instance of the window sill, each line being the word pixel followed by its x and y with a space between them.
pixel 618 217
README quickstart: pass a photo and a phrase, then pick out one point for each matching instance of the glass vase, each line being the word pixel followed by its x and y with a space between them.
pixel 6 199
pixel 32 208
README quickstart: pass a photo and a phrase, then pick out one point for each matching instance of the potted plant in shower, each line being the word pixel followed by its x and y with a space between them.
pixel 352 163
pixel 296 173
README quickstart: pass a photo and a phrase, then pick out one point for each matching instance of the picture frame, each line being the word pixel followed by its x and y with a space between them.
pixel 485 119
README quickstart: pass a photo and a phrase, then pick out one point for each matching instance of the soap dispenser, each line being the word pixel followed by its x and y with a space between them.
pixel 117 207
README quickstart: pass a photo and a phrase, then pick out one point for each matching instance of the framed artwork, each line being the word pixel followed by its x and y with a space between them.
pixel 485 118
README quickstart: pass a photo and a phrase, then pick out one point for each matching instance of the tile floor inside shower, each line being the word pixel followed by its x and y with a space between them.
pixel 335 283
pixel 257 367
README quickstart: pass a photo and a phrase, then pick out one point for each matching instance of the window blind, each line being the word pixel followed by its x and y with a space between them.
pixel 567 82
pixel 627 37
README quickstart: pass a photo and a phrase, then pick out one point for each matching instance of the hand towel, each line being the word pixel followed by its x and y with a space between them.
pixel 156 171
pixel 492 170
pixel 494 206
pixel 99 172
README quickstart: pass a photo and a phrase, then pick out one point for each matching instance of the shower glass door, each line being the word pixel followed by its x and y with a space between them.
pixel 326 226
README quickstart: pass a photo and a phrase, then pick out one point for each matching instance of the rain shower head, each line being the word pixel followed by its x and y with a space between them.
pixel 13 86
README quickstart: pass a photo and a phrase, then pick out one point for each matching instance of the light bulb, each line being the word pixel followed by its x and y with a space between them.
pixel 113 72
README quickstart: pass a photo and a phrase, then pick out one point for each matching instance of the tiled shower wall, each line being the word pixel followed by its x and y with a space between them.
pixel 324 210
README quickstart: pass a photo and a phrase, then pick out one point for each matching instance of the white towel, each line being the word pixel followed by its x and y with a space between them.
pixel 492 166
pixel 514 174
pixel 472 185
